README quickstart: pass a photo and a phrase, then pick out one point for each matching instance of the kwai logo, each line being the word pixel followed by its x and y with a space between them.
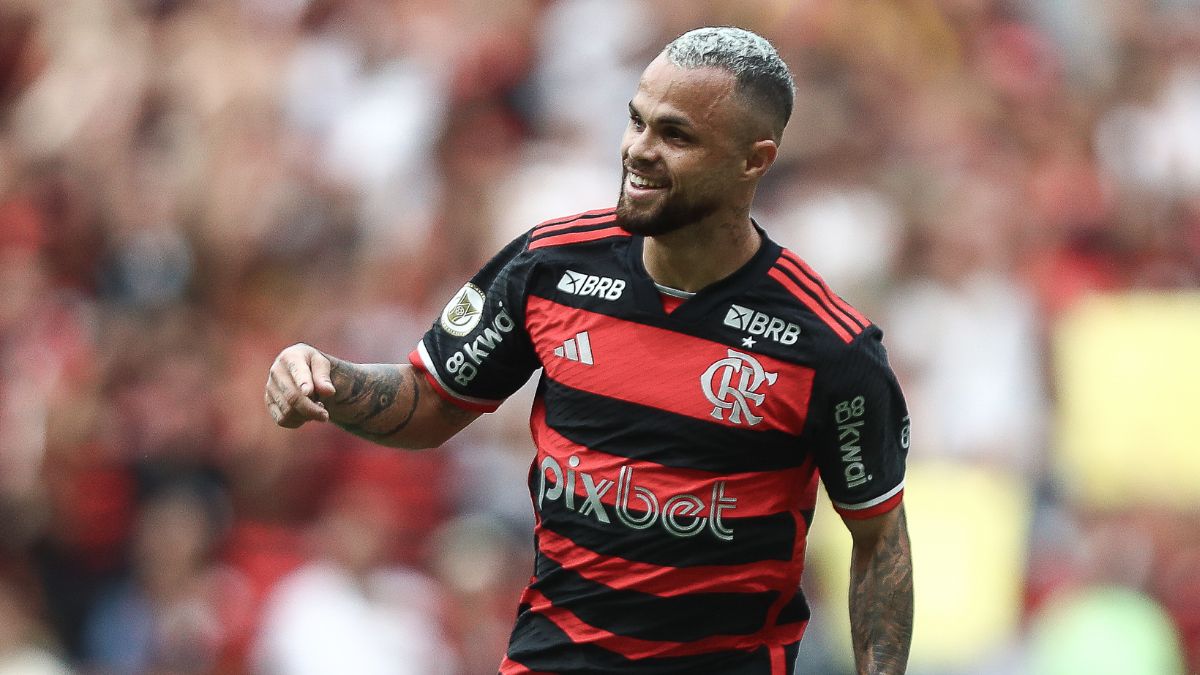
pixel 718 386
pixel 464 363
pixel 849 418
pixel 681 515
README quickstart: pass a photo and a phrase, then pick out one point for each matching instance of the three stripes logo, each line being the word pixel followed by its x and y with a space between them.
pixel 578 349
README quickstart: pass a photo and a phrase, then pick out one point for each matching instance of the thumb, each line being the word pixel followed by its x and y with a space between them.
pixel 321 368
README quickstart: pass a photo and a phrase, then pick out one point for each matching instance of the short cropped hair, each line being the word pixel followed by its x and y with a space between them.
pixel 761 74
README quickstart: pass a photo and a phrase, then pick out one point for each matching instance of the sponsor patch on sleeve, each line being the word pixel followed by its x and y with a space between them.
pixel 463 312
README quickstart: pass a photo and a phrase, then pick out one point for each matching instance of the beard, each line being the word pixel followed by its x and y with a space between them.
pixel 672 213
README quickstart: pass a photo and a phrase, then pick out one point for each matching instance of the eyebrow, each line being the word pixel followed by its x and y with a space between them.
pixel 675 120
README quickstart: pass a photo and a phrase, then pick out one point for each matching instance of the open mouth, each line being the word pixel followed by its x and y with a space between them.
pixel 640 184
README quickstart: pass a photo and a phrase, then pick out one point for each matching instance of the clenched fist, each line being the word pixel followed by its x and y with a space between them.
pixel 296 382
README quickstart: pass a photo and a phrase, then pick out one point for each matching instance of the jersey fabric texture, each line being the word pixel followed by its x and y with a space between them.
pixel 678 453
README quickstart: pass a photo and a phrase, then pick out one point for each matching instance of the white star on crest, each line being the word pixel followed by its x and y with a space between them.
pixel 748 342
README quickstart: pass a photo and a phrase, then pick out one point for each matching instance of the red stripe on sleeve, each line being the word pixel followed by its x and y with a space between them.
pixel 819 292
pixel 833 297
pixel 829 294
pixel 577 222
pixel 578 237
pixel 810 302
pixel 568 219
pixel 877 510
pixel 510 667
pixel 415 359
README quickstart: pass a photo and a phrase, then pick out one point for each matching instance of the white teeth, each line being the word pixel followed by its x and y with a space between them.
pixel 637 181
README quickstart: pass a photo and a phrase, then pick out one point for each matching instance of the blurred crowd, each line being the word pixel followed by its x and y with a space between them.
pixel 188 186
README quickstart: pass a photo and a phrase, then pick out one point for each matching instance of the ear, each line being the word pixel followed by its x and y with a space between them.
pixel 760 158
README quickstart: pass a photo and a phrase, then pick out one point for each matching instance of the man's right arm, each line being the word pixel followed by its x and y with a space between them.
pixel 390 404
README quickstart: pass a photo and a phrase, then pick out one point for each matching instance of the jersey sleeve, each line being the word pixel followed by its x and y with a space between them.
pixel 863 440
pixel 477 353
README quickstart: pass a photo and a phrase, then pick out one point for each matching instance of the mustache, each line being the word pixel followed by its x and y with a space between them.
pixel 646 168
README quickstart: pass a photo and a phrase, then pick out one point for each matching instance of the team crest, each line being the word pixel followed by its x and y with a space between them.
pixel 462 314
pixel 732 384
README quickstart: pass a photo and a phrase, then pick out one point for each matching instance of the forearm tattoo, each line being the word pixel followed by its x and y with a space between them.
pixel 881 603
pixel 373 401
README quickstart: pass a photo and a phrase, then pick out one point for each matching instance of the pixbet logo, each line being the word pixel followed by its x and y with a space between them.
pixel 718 386
pixel 681 515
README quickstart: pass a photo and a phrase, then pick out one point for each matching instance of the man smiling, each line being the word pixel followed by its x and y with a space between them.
pixel 698 380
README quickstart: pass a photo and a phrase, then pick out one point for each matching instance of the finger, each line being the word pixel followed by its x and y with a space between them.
pixel 279 386
pixel 270 398
pixel 282 399
pixel 273 409
pixel 280 390
pixel 301 374
pixel 321 368
pixel 305 407
pixel 279 401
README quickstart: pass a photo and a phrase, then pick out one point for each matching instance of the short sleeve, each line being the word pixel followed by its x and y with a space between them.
pixel 477 353
pixel 862 445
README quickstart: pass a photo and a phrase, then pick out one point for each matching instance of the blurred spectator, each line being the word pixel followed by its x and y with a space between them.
pixel 169 615
pixel 349 609
pixel 478 561
pixel 965 340
pixel 26 646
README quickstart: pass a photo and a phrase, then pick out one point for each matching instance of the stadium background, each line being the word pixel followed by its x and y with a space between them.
pixel 1010 188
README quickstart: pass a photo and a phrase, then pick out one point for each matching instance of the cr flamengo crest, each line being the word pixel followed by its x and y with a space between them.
pixel 718 383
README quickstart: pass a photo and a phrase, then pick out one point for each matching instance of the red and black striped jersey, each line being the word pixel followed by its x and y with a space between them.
pixel 678 453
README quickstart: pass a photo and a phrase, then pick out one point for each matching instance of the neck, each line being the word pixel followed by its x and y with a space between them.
pixel 695 256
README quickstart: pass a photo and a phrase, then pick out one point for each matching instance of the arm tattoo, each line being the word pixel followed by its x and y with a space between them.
pixel 373 401
pixel 881 602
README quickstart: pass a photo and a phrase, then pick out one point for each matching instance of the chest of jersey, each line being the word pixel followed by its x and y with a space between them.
pixel 658 368
pixel 591 334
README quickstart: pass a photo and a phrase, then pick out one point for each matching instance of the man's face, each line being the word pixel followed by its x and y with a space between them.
pixel 680 152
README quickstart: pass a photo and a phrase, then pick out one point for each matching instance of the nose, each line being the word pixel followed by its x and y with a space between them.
pixel 638 148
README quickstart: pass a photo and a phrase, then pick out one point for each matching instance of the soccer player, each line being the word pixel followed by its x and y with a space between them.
pixel 698 379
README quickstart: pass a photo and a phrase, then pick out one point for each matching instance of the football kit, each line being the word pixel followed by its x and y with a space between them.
pixel 678 452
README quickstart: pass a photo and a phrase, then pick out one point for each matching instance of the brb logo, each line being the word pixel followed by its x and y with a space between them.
pixel 718 384
pixel 681 515
pixel 578 283
pixel 757 323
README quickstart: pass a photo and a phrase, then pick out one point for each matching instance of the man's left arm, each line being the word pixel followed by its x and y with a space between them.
pixel 881 593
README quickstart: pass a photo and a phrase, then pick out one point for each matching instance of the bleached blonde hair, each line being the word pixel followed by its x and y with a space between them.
pixel 762 76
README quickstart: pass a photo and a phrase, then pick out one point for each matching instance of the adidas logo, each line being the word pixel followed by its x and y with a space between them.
pixel 578 348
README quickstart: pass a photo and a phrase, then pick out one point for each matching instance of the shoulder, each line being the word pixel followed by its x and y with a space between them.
pixel 571 232
pixel 557 239
pixel 825 315
pixel 590 238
